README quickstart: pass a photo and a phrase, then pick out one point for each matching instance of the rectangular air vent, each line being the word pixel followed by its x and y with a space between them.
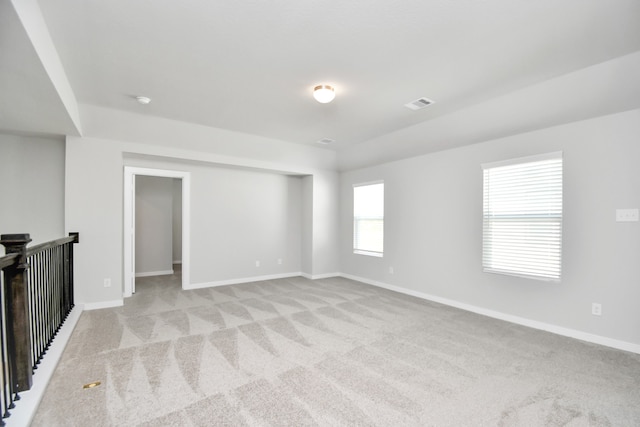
pixel 419 104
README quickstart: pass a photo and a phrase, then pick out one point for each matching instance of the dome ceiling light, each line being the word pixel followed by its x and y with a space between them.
pixel 143 100
pixel 324 93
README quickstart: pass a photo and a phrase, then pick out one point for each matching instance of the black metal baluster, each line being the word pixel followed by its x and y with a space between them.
pixel 58 298
pixel 47 294
pixel 43 301
pixel 6 389
pixel 65 281
pixel 39 300
pixel 38 311
pixel 55 321
pixel 52 295
pixel 51 286
pixel 40 281
pixel 31 294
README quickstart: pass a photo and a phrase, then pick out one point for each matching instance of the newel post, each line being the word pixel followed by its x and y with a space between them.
pixel 69 267
pixel 17 312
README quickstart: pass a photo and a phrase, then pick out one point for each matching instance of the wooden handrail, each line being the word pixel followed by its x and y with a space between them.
pixel 7 260
pixel 48 245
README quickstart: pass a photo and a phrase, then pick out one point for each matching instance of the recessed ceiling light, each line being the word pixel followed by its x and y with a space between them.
pixel 143 100
pixel 325 141
pixel 324 93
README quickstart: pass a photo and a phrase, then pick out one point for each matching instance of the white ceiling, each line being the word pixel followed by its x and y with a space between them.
pixel 29 102
pixel 250 66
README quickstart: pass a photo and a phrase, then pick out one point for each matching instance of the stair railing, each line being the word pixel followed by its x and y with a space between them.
pixel 37 296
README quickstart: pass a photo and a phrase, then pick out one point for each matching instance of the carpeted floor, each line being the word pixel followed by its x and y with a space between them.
pixel 332 352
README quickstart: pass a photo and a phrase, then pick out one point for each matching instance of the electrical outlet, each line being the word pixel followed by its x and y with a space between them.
pixel 257 263
pixel 390 270
pixel 279 261
pixel 107 283
pixel 627 215
pixel 596 309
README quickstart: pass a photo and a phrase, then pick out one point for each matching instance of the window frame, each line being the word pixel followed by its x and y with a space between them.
pixel 551 220
pixel 360 251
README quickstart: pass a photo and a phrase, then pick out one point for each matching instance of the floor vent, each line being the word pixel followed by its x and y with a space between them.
pixel 419 104
pixel 92 385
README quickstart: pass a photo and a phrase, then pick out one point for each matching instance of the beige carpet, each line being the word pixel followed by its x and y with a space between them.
pixel 332 352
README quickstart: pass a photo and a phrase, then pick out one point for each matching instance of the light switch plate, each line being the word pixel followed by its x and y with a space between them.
pixel 626 215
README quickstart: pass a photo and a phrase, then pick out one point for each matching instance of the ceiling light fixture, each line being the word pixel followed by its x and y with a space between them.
pixel 143 100
pixel 324 93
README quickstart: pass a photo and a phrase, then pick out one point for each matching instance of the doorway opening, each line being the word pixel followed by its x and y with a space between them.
pixel 130 175
pixel 158 232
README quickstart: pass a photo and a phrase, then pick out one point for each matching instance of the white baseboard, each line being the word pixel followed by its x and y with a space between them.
pixel 26 408
pixel 154 273
pixel 103 304
pixel 558 330
pixel 240 280
pixel 319 276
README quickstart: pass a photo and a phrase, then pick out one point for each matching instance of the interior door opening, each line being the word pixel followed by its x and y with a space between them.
pixel 130 261
pixel 158 231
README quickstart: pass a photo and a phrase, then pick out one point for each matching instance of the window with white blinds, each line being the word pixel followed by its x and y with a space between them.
pixel 368 219
pixel 522 217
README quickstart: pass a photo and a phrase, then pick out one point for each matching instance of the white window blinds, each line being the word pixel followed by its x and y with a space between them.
pixel 368 219
pixel 522 217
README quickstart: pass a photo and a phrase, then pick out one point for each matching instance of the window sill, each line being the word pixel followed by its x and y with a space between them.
pixel 368 253
pixel 522 276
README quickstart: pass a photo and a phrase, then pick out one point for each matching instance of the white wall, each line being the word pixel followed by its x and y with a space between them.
pixel 154 225
pixel 94 207
pixel 325 223
pixel 320 225
pixel 32 177
pixel 433 228
pixel 94 197
pixel 306 250
pixel 238 217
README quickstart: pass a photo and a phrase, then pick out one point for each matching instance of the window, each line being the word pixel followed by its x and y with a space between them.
pixel 368 219
pixel 522 217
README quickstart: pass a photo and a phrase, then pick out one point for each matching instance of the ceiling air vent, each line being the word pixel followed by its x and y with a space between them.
pixel 419 104
pixel 325 141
